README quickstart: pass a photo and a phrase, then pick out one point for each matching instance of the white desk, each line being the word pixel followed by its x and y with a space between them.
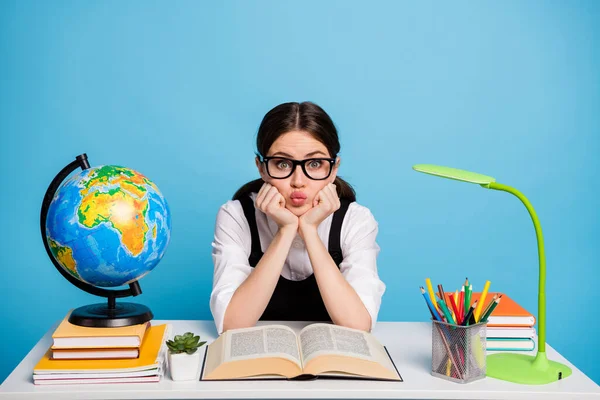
pixel 409 344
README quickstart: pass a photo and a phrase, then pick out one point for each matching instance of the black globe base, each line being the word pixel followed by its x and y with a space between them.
pixel 101 316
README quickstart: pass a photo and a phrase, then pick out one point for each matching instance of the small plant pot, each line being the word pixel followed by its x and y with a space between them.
pixel 183 366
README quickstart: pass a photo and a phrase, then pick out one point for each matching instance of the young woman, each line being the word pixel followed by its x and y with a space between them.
pixel 294 244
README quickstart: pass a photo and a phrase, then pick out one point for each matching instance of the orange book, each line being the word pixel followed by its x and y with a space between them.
pixel 507 313
pixel 69 336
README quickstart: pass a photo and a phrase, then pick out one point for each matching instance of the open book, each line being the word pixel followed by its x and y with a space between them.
pixel 279 352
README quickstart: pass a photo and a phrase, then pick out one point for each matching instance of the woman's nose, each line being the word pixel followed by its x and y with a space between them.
pixel 298 177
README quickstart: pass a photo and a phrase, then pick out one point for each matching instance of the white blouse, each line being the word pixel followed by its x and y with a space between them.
pixel 232 247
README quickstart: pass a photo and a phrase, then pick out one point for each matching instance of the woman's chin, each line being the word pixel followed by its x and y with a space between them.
pixel 298 210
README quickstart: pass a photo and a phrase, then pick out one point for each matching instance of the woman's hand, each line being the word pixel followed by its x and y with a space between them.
pixel 272 203
pixel 326 202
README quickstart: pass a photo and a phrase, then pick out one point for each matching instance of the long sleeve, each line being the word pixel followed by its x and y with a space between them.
pixel 230 251
pixel 360 250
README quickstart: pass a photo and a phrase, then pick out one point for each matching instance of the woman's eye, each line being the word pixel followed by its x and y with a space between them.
pixel 315 164
pixel 283 165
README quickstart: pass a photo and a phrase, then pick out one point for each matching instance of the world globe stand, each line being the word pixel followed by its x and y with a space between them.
pixel 103 315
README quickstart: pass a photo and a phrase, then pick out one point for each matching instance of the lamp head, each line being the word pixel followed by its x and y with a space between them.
pixel 456 174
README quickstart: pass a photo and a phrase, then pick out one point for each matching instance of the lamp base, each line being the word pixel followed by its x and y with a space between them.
pixel 525 369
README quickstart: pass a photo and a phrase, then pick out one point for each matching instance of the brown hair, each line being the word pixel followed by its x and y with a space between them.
pixel 307 117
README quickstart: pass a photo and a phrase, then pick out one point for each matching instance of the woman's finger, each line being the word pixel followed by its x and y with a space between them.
pixel 318 198
pixel 329 197
pixel 327 193
pixel 262 203
pixel 269 198
pixel 332 190
pixel 261 194
pixel 279 199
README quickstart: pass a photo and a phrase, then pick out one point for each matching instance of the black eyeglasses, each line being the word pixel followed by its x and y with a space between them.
pixel 314 168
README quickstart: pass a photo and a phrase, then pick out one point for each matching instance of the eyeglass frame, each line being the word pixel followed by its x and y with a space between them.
pixel 301 163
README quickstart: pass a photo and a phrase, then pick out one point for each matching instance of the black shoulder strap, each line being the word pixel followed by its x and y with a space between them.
pixel 250 213
pixel 335 248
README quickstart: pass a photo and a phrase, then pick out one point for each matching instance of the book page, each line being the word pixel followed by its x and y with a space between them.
pixel 327 339
pixel 262 342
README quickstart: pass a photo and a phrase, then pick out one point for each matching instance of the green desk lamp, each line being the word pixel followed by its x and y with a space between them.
pixel 518 368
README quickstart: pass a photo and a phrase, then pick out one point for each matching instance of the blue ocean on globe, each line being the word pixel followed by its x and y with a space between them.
pixel 108 226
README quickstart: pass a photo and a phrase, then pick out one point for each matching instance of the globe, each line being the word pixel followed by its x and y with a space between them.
pixel 108 226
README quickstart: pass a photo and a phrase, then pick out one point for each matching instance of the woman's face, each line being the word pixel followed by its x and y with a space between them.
pixel 298 189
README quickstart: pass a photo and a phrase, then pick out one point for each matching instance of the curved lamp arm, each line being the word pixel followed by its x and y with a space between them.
pixel 542 257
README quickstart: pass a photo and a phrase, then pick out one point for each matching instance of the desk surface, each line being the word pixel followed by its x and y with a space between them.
pixel 409 344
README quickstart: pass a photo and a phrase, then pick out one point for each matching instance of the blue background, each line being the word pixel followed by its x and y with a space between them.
pixel 176 90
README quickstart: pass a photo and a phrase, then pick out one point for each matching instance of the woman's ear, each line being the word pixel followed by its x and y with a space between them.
pixel 334 170
pixel 261 169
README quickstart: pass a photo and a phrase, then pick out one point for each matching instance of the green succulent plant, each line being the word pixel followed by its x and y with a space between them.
pixel 186 343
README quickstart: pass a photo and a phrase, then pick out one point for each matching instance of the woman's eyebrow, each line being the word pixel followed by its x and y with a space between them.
pixel 312 153
pixel 281 153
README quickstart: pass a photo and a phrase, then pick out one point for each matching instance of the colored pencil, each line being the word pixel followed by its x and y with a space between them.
pixel 469 314
pixel 446 312
pixel 491 310
pixel 430 291
pixel 461 304
pixel 477 313
pixel 433 310
pixel 453 305
pixel 468 293
pixel 487 307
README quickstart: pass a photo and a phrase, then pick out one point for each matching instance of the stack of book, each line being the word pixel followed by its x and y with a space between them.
pixel 510 327
pixel 103 355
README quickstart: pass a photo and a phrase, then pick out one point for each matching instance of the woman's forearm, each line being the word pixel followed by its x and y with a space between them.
pixel 341 300
pixel 252 297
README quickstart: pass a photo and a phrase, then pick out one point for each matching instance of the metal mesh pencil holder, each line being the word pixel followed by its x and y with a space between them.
pixel 458 352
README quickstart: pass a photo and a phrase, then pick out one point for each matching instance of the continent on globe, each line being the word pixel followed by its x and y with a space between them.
pixel 122 211
pixel 64 255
